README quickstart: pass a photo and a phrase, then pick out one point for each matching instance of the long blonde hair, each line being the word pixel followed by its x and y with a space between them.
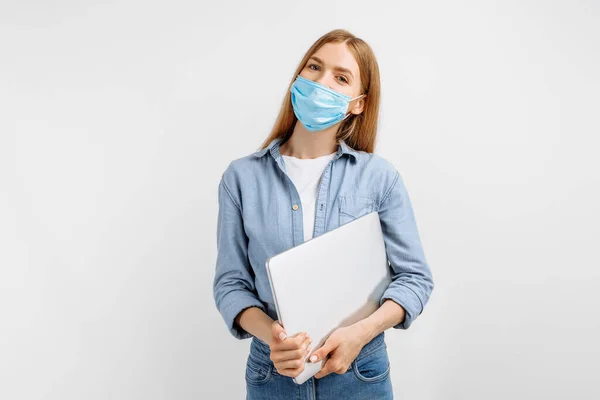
pixel 359 131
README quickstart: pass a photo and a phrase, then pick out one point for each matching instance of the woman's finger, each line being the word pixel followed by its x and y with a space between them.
pixel 290 364
pixel 277 331
pixel 290 343
pixel 293 354
pixel 292 373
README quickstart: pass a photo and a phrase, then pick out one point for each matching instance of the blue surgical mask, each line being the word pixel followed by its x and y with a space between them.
pixel 316 106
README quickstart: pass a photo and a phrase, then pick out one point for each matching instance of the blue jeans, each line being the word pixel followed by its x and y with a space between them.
pixel 368 377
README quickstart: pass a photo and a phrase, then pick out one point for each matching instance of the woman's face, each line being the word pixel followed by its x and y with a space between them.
pixel 335 67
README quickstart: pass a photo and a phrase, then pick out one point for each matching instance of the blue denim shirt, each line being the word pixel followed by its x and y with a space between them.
pixel 260 215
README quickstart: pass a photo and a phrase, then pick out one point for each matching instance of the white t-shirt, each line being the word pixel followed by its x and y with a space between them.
pixel 306 175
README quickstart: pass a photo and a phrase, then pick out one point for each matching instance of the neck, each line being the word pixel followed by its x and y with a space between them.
pixel 306 144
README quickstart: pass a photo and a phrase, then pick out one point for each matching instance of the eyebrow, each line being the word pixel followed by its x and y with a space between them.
pixel 317 59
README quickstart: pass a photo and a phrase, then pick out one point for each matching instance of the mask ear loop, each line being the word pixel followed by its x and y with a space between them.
pixel 357 97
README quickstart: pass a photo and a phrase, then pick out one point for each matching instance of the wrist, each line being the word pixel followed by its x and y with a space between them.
pixel 367 330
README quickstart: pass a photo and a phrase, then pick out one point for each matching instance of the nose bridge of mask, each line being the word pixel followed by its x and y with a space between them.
pixel 327 89
pixel 335 92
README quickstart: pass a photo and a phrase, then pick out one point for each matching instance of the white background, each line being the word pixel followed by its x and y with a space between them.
pixel 117 121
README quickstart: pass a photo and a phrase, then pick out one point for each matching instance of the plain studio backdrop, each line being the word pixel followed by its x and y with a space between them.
pixel 117 121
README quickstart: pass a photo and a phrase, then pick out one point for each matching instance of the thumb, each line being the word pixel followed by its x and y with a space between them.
pixel 278 331
pixel 322 352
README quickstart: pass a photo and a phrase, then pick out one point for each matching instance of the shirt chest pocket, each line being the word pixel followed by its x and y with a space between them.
pixel 352 207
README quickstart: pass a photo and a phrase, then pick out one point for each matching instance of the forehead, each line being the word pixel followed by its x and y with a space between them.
pixel 337 55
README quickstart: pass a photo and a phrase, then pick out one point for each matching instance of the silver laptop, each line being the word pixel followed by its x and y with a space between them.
pixel 330 281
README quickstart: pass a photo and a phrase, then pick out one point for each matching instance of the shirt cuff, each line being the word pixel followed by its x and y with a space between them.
pixel 407 299
pixel 233 304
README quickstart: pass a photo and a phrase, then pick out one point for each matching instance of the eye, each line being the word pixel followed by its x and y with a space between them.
pixel 344 80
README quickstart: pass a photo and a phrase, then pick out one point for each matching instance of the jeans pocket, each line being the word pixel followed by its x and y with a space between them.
pixel 374 366
pixel 258 371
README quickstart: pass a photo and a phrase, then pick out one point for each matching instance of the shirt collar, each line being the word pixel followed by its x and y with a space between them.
pixel 273 149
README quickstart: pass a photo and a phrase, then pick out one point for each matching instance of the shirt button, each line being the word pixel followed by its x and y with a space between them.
pixel 295 207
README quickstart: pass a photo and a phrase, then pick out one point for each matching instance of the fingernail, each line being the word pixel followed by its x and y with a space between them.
pixel 282 336
pixel 313 358
pixel 307 350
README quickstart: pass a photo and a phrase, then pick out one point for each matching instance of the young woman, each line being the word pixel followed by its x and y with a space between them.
pixel 315 172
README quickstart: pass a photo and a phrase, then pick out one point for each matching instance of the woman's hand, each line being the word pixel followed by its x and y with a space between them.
pixel 288 353
pixel 344 344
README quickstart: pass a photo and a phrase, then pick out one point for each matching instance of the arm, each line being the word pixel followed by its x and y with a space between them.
pixel 389 315
pixel 233 287
pixel 412 281
pixel 257 322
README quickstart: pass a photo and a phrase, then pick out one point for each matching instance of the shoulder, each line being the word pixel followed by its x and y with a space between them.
pixel 378 169
pixel 377 162
pixel 238 167
pixel 239 171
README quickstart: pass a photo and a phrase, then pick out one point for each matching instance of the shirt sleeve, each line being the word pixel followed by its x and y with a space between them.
pixel 412 281
pixel 233 287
